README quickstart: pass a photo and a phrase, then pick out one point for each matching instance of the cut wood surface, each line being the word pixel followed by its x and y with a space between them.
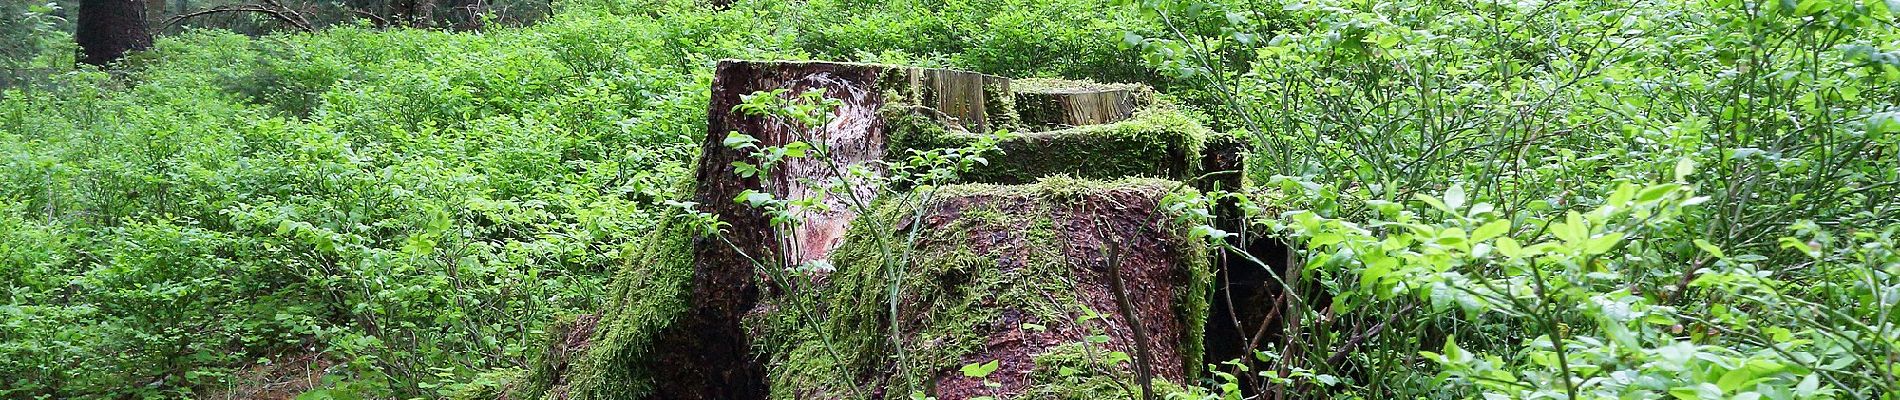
pixel 1054 104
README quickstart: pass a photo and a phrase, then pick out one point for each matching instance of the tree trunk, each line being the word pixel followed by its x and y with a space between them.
pixel 109 29
pixel 423 14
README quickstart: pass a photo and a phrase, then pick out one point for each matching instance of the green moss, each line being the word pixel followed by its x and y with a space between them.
pixel 999 101
pixel 1003 253
pixel 1157 143
pixel 646 297
pixel 554 354
pixel 947 297
pixel 1076 371
pixel 1046 85
pixel 485 386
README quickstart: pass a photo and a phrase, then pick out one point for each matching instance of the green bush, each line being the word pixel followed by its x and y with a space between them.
pixel 413 204
pixel 1568 199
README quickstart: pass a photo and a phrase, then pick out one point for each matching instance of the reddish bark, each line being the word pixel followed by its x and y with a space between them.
pixel 1147 254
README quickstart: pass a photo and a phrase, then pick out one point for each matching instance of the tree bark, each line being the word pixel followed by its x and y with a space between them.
pixel 109 29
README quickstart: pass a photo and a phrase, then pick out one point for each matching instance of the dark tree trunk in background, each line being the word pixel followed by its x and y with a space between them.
pixel 413 13
pixel 108 29
pixel 423 16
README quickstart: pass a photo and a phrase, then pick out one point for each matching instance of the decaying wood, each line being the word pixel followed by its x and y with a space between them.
pixel 707 354
pixel 1048 104
pixel 1115 246
pixel 1125 260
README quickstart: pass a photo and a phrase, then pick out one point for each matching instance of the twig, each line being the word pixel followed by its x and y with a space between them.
pixel 1144 362
pixel 271 8
pixel 1340 356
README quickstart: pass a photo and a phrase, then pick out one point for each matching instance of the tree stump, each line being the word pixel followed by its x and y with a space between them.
pixel 1047 104
pixel 1008 269
pixel 707 354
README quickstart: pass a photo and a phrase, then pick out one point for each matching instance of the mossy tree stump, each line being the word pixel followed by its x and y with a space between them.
pixel 1022 275
pixel 1047 104
pixel 684 321
pixel 707 354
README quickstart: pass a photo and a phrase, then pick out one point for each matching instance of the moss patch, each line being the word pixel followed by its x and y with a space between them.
pixel 615 362
pixel 1156 143
pixel 1076 371
pixel 997 273
pixel 1047 85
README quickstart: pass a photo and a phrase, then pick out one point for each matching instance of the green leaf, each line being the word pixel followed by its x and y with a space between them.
pixel 319 394
pixel 1603 244
pixel 1574 229
pixel 1623 194
pixel 796 149
pixel 1509 247
pixel 1709 247
pixel 1327 380
pixel 980 370
pixel 753 198
pixel 1684 167
pixel 1455 197
pixel 1491 230
pixel 1132 38
pixel 1656 192
pixel 1431 201
pixel 1809 384
pixel 744 169
pixel 738 140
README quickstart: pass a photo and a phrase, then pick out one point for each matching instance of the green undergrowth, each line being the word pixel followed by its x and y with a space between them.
pixel 413 205
pixel 1000 258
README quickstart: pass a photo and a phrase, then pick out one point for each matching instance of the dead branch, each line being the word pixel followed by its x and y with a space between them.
pixel 271 8
pixel 373 17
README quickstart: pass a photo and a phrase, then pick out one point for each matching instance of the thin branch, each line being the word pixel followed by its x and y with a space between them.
pixel 271 8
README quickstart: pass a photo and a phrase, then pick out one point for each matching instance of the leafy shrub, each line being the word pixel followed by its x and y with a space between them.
pixel 1579 199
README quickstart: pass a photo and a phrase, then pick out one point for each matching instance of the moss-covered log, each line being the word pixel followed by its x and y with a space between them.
pixel 1047 104
pixel 1020 275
